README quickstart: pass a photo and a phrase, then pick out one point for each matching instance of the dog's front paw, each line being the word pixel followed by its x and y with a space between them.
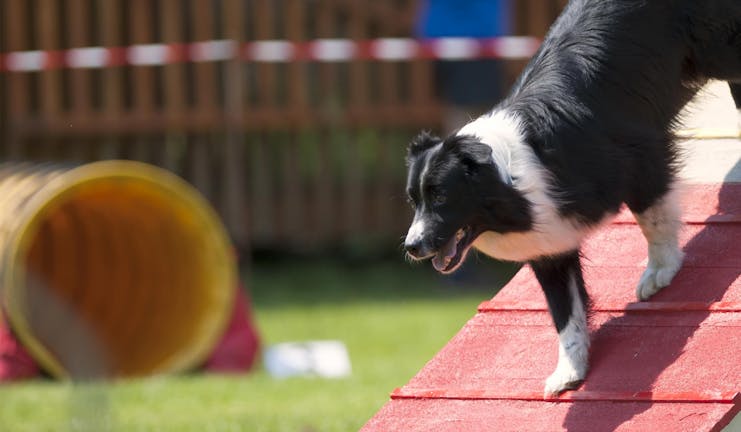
pixel 564 378
pixel 657 276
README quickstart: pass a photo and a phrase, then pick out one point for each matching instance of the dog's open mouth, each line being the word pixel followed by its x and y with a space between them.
pixel 451 255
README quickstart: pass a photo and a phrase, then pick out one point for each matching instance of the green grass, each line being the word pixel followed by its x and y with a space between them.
pixel 392 317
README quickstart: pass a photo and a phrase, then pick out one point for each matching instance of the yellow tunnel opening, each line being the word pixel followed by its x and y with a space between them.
pixel 119 270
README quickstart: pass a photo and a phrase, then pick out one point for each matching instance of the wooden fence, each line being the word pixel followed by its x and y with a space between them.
pixel 297 155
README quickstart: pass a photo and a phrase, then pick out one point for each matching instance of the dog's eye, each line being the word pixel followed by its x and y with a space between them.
pixel 438 199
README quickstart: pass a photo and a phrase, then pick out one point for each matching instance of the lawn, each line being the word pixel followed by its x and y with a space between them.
pixel 393 318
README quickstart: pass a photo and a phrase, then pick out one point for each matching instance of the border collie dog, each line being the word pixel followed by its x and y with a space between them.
pixel 587 127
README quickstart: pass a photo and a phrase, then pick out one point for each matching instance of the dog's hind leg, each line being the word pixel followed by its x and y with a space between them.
pixel 736 93
pixel 563 285
pixel 660 224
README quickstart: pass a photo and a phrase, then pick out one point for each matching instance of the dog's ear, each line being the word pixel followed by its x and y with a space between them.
pixel 472 153
pixel 424 141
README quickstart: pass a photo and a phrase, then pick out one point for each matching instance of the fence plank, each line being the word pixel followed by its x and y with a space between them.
pixel 358 97
pixel 173 31
pixel 200 159
pixel 294 11
pixel 390 96
pixel 324 139
pixel 113 84
pixel 261 191
pixel 262 22
pixel 292 200
pixel 292 212
pixel 354 175
pixel 384 186
pixel 175 84
pixel 18 84
pixel 234 193
pixel 325 207
pixel 204 82
pixel 48 34
pixel 326 200
pixel 143 85
pixel 112 79
pixel 534 17
pixel 202 17
pixel 143 78
pixel 77 21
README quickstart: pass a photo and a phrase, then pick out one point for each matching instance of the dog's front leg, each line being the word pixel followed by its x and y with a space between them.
pixel 660 224
pixel 563 285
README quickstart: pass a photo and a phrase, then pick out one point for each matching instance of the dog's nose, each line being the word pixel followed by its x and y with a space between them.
pixel 414 242
pixel 414 249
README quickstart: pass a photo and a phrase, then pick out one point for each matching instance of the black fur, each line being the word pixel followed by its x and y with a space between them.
pixel 736 93
pixel 553 274
pixel 601 97
pixel 598 105
pixel 463 187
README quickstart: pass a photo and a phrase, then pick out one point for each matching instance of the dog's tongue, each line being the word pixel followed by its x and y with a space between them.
pixel 441 260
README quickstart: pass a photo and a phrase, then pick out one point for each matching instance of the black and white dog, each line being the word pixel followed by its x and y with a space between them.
pixel 587 127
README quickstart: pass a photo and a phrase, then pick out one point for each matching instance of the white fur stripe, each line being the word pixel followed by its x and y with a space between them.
pixel 416 230
pixel 573 346
pixel 515 159
pixel 660 225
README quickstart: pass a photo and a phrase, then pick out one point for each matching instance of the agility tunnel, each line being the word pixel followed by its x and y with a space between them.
pixel 111 269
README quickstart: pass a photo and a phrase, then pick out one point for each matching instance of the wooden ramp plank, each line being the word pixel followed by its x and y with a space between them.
pixel 425 415
pixel 612 285
pixel 668 364
pixel 515 352
pixel 711 245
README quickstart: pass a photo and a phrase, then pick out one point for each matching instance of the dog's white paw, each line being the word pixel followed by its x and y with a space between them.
pixel 565 377
pixel 573 361
pixel 659 275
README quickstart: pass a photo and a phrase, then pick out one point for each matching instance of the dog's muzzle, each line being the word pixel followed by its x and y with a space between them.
pixel 417 250
pixel 415 244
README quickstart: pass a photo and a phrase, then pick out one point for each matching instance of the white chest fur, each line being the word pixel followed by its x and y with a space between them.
pixel 551 233
pixel 560 237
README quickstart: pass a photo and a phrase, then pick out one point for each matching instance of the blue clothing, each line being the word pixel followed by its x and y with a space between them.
pixel 469 82
pixel 463 18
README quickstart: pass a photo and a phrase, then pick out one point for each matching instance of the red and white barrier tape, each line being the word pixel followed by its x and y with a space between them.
pixel 272 51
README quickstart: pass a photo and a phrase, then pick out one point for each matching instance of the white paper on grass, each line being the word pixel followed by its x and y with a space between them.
pixel 328 359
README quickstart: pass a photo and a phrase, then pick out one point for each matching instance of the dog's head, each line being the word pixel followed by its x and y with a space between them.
pixel 457 192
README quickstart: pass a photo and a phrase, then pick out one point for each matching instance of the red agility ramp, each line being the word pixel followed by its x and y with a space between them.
pixel 670 364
